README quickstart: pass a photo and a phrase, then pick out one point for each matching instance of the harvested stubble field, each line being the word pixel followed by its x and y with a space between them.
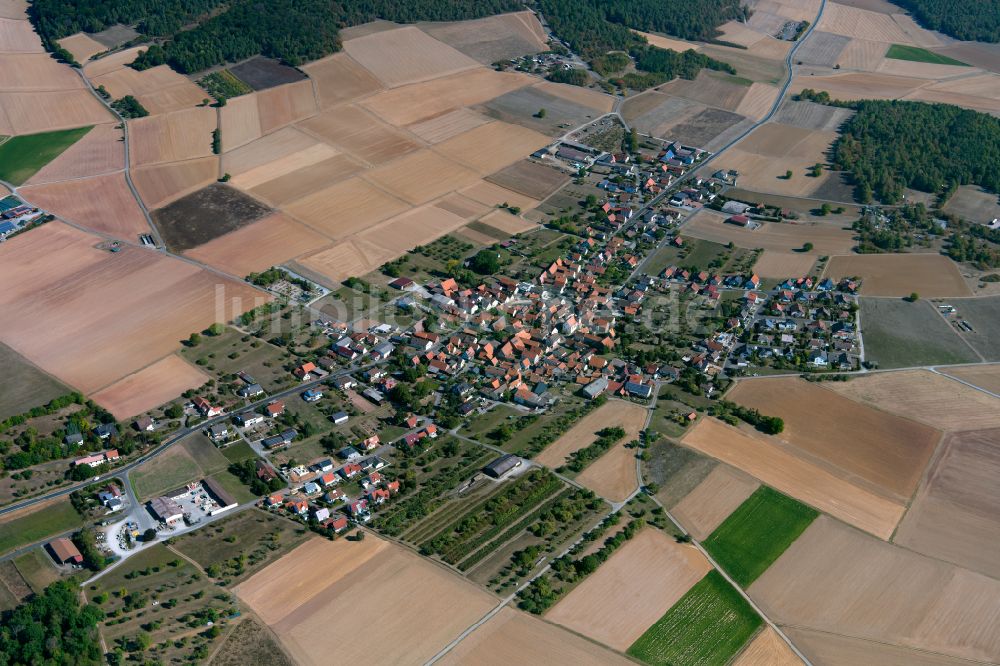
pixel 489 148
pixel 494 38
pixel 399 234
pixel 615 413
pixel 18 36
pixel 33 112
pixel 323 591
pixel 150 387
pixel 161 184
pixel 82 46
pixel 239 122
pixel 360 133
pixel 862 24
pixel 421 176
pixel 284 165
pixel 811 116
pixel 111 62
pixel 530 179
pixel 767 649
pixel 827 238
pixel 982 314
pixel 345 208
pixel 261 152
pixel 278 107
pixel 493 195
pixel 899 334
pixel 631 590
pixel 822 49
pixel 773 264
pixel 825 648
pixel 507 223
pixel 258 246
pixel 154 300
pixel 612 476
pixel 974 203
pixel 302 182
pixel 25 386
pixel 925 396
pixel 984 376
pixel 703 128
pixel 339 78
pixel 35 71
pixel 859 85
pixel 100 151
pixel 956 514
pixel 334 264
pixel 413 103
pixel 757 533
pixel 406 55
pixel 261 73
pixel 887 451
pixel 929 275
pixel 718 495
pixel 804 480
pixel 172 137
pixel 838 580
pixel 437 129
pixel 521 107
pixel 159 89
pixel 512 637
pixel 206 214
pixel 707 626
pixel 709 89
pixel 102 203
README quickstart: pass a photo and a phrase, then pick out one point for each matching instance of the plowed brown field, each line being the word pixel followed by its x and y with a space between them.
pixel 930 275
pixel 887 451
pixel 161 184
pixel 150 387
pixel 792 475
pixel 323 591
pixel 258 246
pixel 838 580
pixel 102 203
pixel 154 301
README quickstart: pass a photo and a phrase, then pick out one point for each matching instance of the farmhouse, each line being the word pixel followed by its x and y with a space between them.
pixel 206 408
pixel 64 551
pixel 145 424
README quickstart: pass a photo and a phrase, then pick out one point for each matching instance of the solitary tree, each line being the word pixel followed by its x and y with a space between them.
pixel 541 113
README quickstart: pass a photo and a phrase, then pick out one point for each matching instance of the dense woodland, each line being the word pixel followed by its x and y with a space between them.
pixel 891 145
pixel 294 31
pixel 962 19
pixel 51 628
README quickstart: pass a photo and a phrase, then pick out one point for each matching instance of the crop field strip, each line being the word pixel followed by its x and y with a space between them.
pixel 757 533
pixel 708 625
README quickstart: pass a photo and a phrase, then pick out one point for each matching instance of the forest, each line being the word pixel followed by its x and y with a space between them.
pixel 294 31
pixel 973 20
pixel 890 145
pixel 51 628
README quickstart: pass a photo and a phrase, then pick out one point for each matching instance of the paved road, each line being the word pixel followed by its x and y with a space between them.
pixel 176 437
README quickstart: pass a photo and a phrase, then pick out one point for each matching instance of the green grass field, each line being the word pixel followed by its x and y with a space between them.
pixel 239 452
pixel 757 533
pixel 708 625
pixel 22 156
pixel 48 521
pixel 170 470
pixel 917 54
